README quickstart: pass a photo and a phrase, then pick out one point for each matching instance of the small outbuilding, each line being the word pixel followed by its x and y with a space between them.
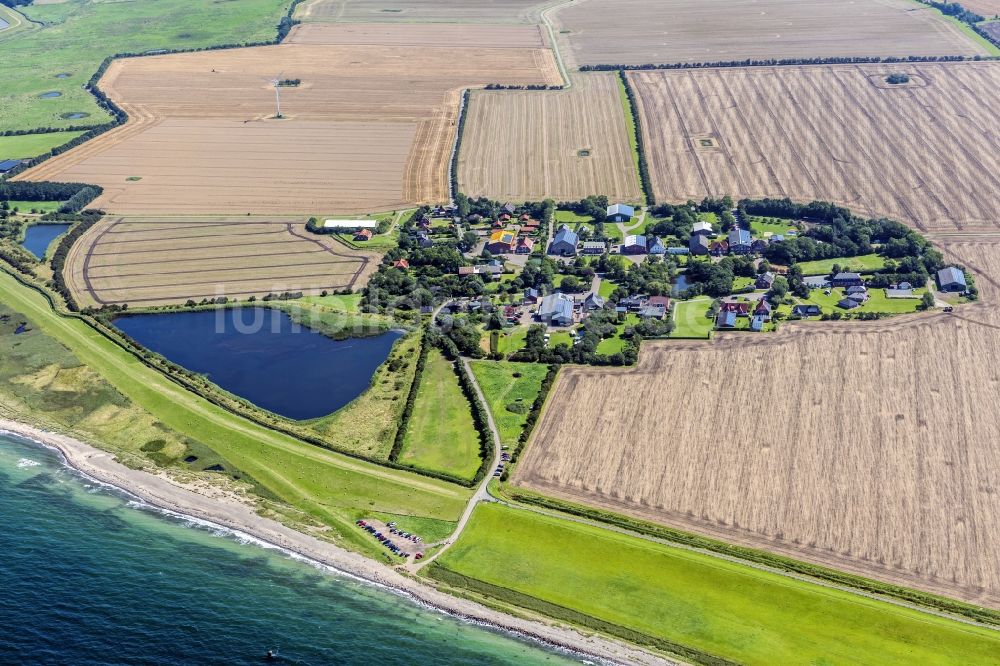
pixel 951 279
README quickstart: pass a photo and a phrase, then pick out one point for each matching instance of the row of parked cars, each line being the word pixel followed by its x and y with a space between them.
pixel 504 459
pixel 387 542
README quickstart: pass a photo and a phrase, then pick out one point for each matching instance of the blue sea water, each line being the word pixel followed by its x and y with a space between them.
pixel 89 577
pixel 260 354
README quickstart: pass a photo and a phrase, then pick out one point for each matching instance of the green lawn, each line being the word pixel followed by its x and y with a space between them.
pixel 350 303
pixel 504 390
pixel 877 301
pixel 29 145
pixel 609 346
pixel 589 575
pixel 690 320
pixel 27 206
pixel 860 264
pixel 511 339
pixel 441 435
pixel 633 135
pixel 607 288
pixel 762 225
pixel 569 217
pixel 75 36
pixel 560 338
pixel 329 487
pixel 742 283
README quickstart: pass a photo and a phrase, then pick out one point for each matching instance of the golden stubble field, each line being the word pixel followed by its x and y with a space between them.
pixel 155 261
pixel 637 32
pixel 418 11
pixel 867 447
pixel 926 153
pixel 533 145
pixel 370 127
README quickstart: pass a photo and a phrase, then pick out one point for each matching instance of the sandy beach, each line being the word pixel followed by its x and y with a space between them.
pixel 228 512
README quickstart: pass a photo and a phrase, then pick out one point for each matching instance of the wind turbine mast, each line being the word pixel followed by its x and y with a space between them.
pixel 277 96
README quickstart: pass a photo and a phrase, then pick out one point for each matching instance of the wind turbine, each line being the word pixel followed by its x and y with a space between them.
pixel 276 82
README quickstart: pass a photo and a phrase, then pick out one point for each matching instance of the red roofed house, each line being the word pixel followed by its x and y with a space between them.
pixel 363 235
pixel 524 246
pixel 401 263
pixel 741 308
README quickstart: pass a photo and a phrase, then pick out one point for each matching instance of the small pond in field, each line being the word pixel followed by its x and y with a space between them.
pixel 50 94
pixel 38 237
pixel 73 115
pixel 261 355
pixel 63 75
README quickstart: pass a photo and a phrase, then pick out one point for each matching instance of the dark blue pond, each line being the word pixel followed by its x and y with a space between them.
pixel 260 354
pixel 37 237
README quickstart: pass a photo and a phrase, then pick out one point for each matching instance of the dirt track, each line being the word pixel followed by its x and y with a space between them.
pixel 370 127
pixel 868 447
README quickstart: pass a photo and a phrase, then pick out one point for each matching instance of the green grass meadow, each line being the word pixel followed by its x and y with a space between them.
pixel 75 36
pixel 503 389
pixel 860 264
pixel 690 320
pixel 630 586
pixel 326 486
pixel 441 435
pixel 30 145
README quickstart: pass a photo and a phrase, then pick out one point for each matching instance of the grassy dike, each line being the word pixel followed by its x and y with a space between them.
pixel 700 607
pixel 332 488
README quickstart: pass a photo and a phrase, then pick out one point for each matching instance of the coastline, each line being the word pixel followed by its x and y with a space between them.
pixel 233 515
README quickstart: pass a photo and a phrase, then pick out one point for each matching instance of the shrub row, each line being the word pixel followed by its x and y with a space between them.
pixel 411 399
pixel 42 191
pixel 772 560
pixel 479 415
pixel 533 415
pixel 507 595
pixel 776 62
pixel 463 113
pixel 59 259
pixel 644 181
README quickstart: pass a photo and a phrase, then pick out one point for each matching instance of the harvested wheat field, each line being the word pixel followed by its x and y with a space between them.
pixel 368 128
pixel 422 35
pixel 154 261
pixel 892 473
pixel 926 153
pixel 417 11
pixel 636 32
pixel 531 145
pixel 985 8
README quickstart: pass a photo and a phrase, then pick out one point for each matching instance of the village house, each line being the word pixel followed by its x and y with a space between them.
pixel 656 307
pixel 765 280
pixel 951 279
pixel 655 246
pixel 725 319
pixel 525 245
pixel 846 280
pixel 739 241
pixel 757 323
pixel 806 310
pixel 593 302
pixel 594 247
pixel 556 310
pixel 564 242
pixel 699 244
pixel 718 248
pixel 758 246
pixel 501 242
pixel 702 228
pixel 402 264
pixel 634 244
pixel 620 213
pixel 763 310
pixel 363 235
pixel 739 308
pixel 848 303
pixel 531 295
